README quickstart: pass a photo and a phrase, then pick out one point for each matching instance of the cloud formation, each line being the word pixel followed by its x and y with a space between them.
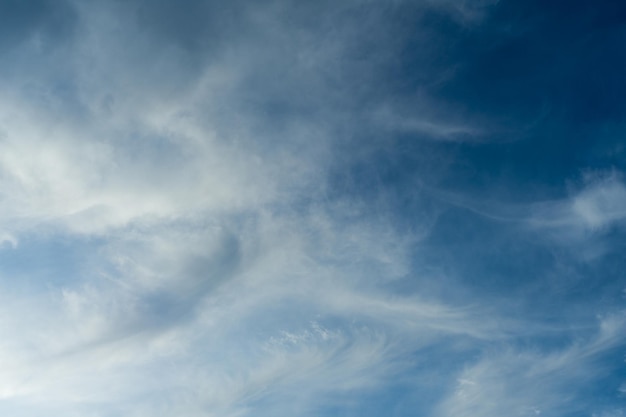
pixel 275 208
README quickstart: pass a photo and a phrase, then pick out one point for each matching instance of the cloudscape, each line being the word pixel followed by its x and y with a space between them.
pixel 312 208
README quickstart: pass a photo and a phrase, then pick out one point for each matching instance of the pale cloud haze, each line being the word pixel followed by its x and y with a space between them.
pixel 311 209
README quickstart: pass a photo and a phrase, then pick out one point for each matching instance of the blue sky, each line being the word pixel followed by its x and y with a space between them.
pixel 331 208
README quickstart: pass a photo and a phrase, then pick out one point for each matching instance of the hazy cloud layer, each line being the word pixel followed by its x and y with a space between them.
pixel 335 208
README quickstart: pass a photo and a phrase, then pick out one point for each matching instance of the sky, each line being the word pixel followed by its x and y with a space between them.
pixel 312 208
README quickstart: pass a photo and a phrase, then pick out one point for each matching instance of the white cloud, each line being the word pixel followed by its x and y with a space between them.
pixel 598 206
pixel 225 280
pixel 579 221
pixel 429 126
pixel 235 314
pixel 525 382
pixel 7 239
pixel 583 220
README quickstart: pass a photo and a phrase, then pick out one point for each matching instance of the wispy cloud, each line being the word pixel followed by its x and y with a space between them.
pixel 514 382
pixel 594 209
pixel 212 210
